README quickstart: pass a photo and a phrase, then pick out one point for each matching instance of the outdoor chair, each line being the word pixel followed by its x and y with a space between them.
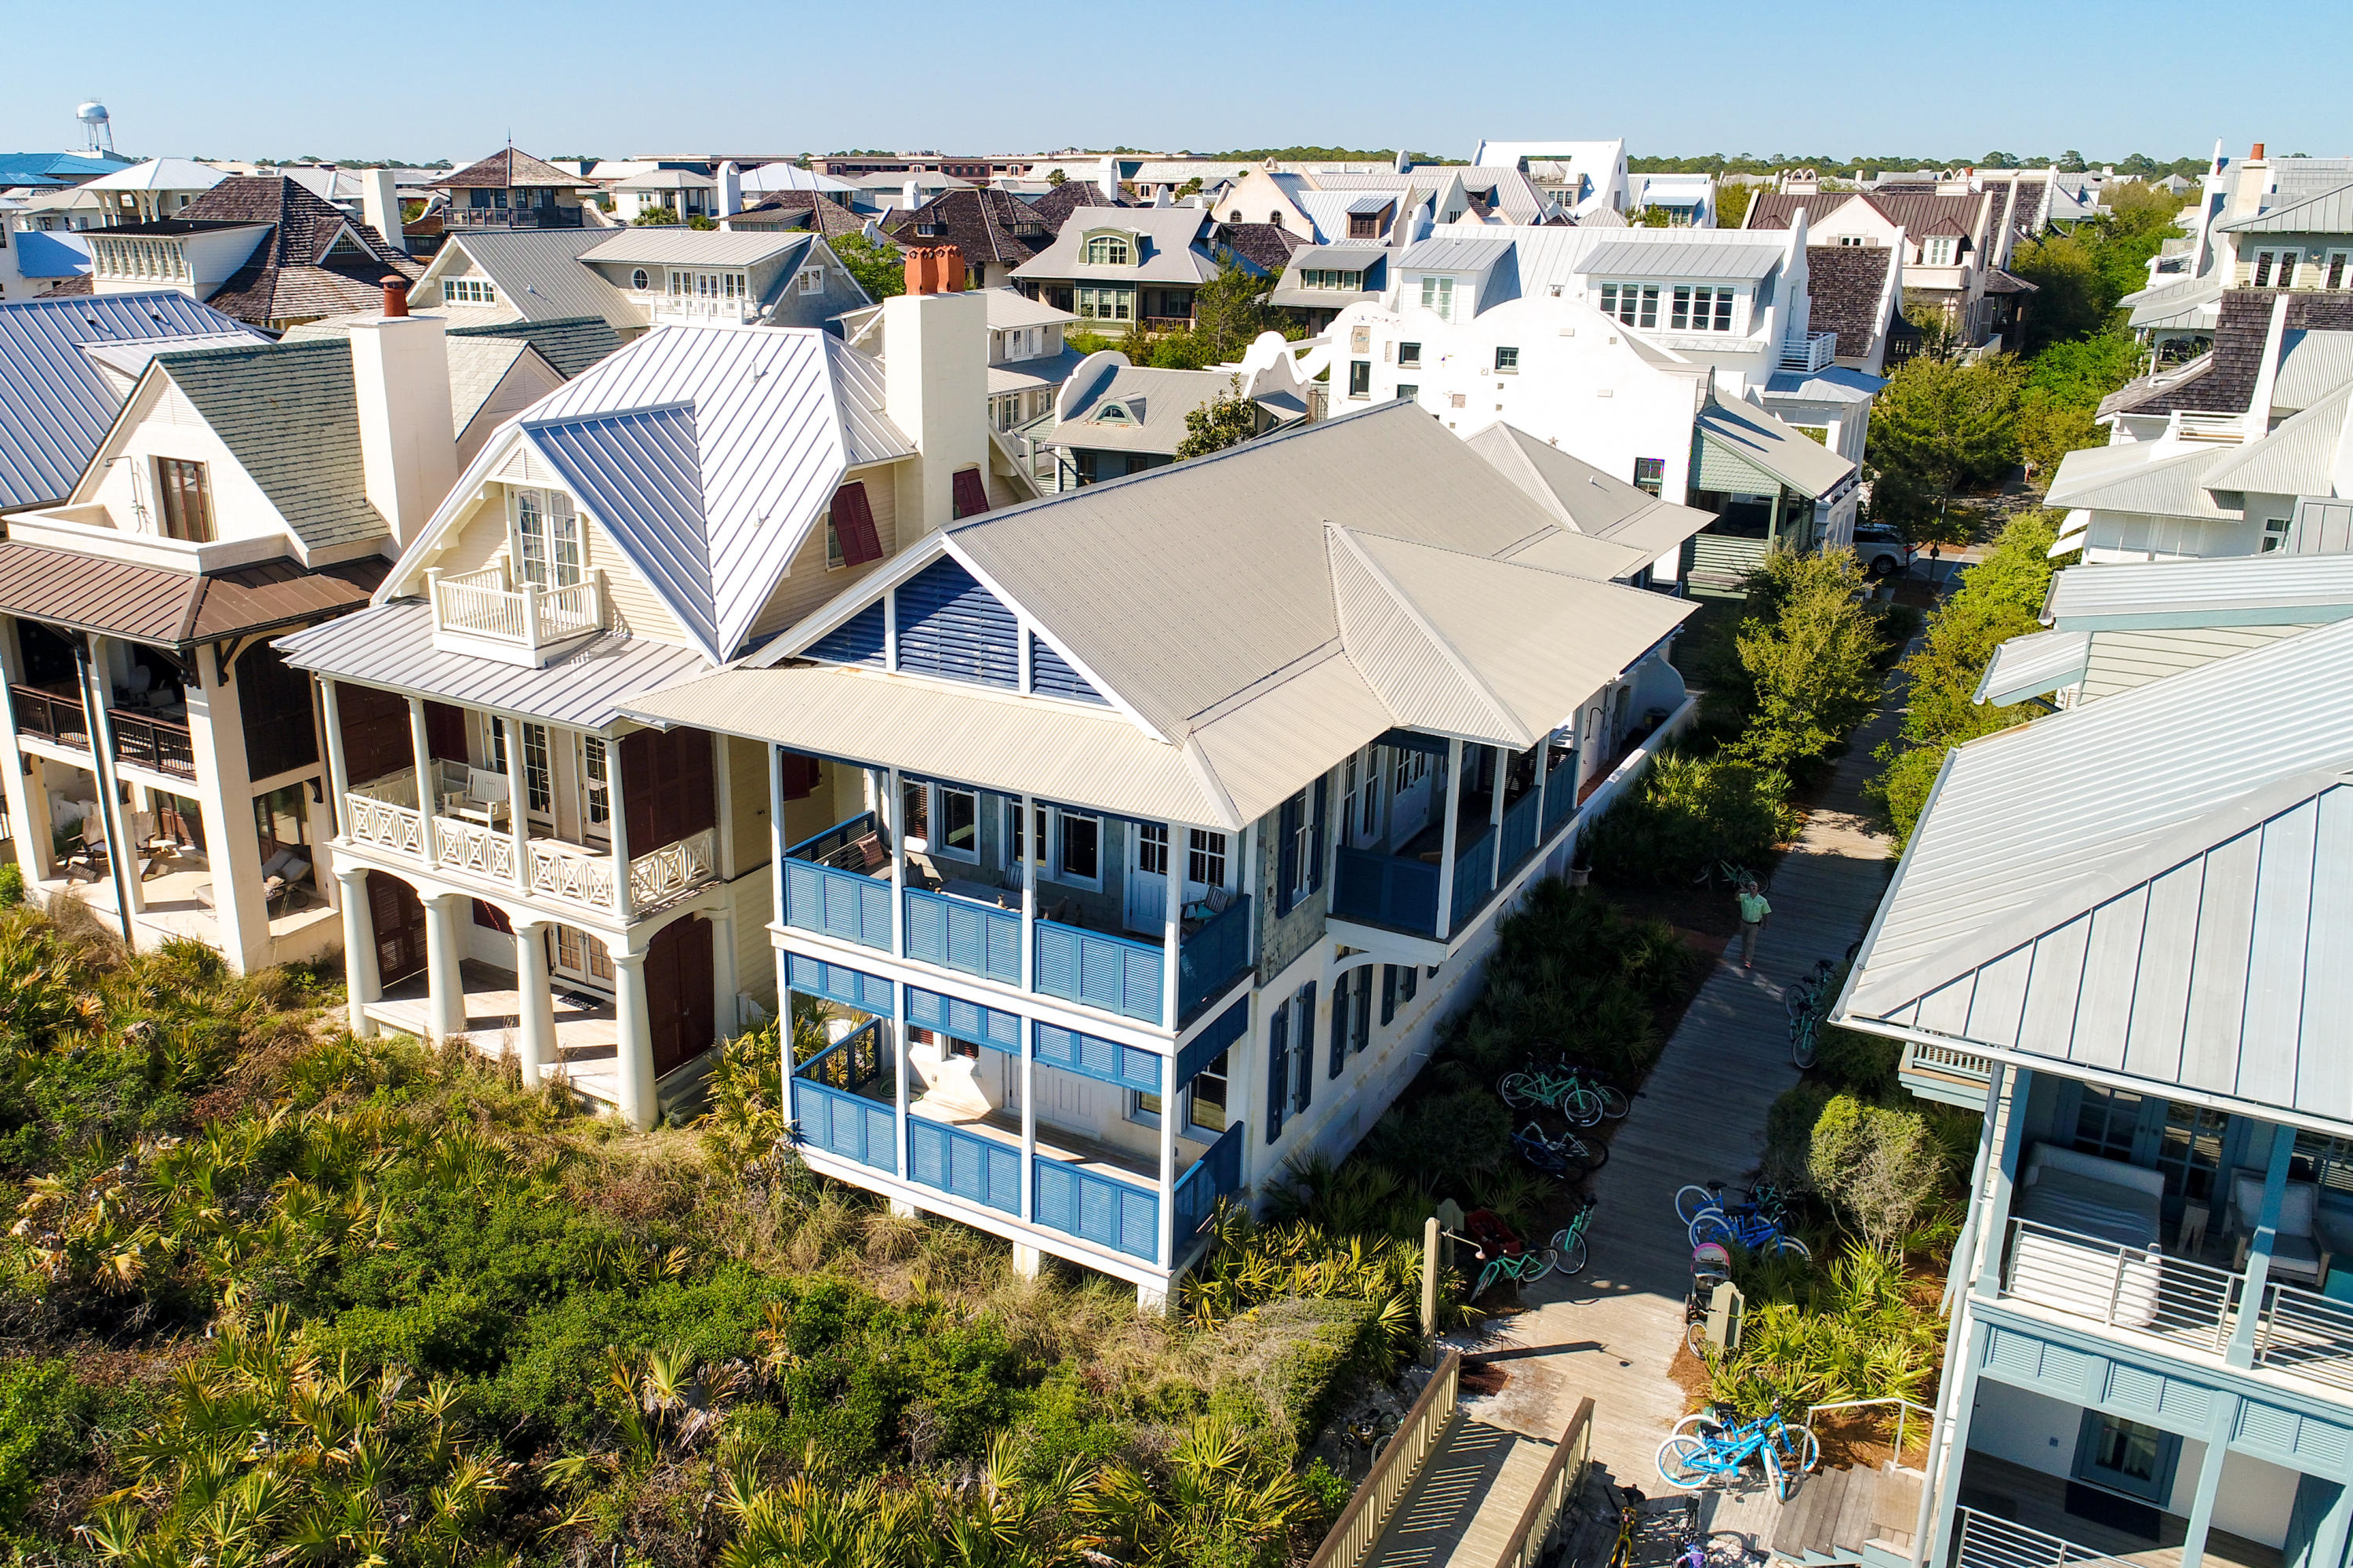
pixel 2297 1255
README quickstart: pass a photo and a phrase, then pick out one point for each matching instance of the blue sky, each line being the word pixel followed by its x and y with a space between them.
pixel 269 77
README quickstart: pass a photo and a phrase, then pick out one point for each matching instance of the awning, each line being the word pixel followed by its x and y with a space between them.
pixel 156 605
pixel 2034 666
pixel 1744 451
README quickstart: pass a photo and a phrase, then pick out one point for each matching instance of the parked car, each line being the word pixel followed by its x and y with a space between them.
pixel 1882 550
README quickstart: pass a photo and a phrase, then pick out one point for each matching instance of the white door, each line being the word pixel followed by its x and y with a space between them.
pixel 1147 878
pixel 1412 780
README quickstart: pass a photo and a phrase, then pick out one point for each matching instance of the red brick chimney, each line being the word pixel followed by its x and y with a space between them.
pixel 2257 154
pixel 935 270
pixel 395 295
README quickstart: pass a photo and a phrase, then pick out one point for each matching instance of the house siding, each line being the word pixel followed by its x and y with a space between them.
pixel 2120 660
pixel 810 585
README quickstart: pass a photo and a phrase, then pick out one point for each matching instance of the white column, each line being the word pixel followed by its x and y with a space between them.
pixel 1172 939
pixel 1028 1261
pixel 1029 1122
pixel 640 1105
pixel 518 819
pixel 624 898
pixel 1167 1206
pixel 895 803
pixel 535 1046
pixel 97 684
pixel 444 984
pixel 225 795
pixel 360 984
pixel 427 775
pixel 1495 816
pixel 1446 841
pixel 339 779
pixel 725 1020
pixel 1030 850
pixel 776 858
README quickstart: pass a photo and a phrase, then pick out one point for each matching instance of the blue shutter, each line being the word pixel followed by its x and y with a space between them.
pixel 1315 841
pixel 857 640
pixel 1286 854
pixel 1277 1070
pixel 1205 1047
pixel 1340 1020
pixel 1107 1061
pixel 834 982
pixel 1388 992
pixel 965 1020
pixel 1051 674
pixel 952 627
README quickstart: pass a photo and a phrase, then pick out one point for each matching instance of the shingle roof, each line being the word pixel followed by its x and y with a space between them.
pixel 504 170
pixel 983 224
pixel 1057 205
pixel 292 275
pixel 801 209
pixel 570 344
pixel 290 415
pixel 55 405
pixel 1847 285
pixel 1265 246
pixel 1916 213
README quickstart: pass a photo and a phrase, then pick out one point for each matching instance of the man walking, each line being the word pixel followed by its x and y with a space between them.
pixel 1754 912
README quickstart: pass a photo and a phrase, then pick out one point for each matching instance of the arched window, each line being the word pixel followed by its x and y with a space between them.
pixel 637 279
pixel 1275 218
pixel 1108 250
pixel 1235 216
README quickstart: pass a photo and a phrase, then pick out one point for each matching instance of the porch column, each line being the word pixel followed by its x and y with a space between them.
pixel 2241 1350
pixel 518 819
pixel 27 793
pixel 2220 1423
pixel 427 775
pixel 894 804
pixel 776 861
pixel 536 1045
pixel 1495 816
pixel 1995 1230
pixel 1173 937
pixel 339 780
pixel 1956 1332
pixel 89 655
pixel 895 1028
pixel 724 1020
pixel 625 897
pixel 1029 1123
pixel 1446 841
pixel 639 1104
pixel 1030 850
pixel 723 789
pixel 2329 1539
pixel 1168 1205
pixel 445 985
pixel 360 984
pixel 225 795
pixel 1956 1436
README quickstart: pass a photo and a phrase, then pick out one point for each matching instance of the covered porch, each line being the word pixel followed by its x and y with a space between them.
pixel 587 1035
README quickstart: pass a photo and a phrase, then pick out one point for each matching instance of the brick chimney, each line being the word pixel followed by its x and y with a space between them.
pixel 2256 156
pixel 395 295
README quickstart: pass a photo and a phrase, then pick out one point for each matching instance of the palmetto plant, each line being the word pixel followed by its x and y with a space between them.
pixel 1218 1502
pixel 1850 1330
pixel 1249 1265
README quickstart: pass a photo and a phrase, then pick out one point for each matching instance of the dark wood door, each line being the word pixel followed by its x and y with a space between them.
pixel 666 790
pixel 678 1000
pixel 398 919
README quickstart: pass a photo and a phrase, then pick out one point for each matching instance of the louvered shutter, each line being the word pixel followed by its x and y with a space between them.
pixel 853 526
pixel 799 772
pixel 1306 1044
pixel 1388 992
pixel 1315 841
pixel 666 790
pixel 1287 854
pixel 1277 1070
pixel 1340 1020
pixel 971 494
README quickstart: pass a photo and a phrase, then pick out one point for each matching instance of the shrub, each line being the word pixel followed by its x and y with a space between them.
pixel 1789 1135
pixel 1861 1063
pixel 1880 1164
pixel 1445 1138
pixel 45 1418
pixel 11 885
pixel 1689 813
pixel 1813 665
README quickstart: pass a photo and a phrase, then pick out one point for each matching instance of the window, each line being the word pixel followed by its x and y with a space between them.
pixel 1143 1108
pixel 1081 846
pixel 1303 858
pixel 2335 276
pixel 1849 239
pixel 1348 792
pixel 2107 1121
pixel 1109 250
pixel 712 287
pixel 2263 277
pixel 1507 361
pixel 959 823
pixel 1360 378
pixel 1329 278
pixel 469 291
pixel 1701 310
pixel 281 818
pixel 1651 474
pixel 833 557
pixel 1438 297
pixel 185 492
pixel 2275 532
pixel 547 539
pixel 1364 225
pixel 538 786
pixel 1205 1106
pixel 578 953
pixel 2127 1456
pixel 1409 390
pixel 1633 304
pixel 1151 848
pixel 595 781
pixel 812 280
pixel 2286 279
pixel 1205 859
pixel 1106 304
pixel 1410 354
pixel 1020 843
pixel 1938 251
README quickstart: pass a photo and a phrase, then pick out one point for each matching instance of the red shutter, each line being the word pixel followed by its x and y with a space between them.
pixel 445 732
pixel 680 1005
pixel 375 731
pixel 853 526
pixel 971 495
pixel 666 790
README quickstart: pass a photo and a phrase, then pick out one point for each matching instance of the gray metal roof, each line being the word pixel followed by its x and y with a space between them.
pixel 2326 212
pixel 1583 497
pixel 2034 666
pixel 55 405
pixel 2312 366
pixel 2299 457
pixel 1623 258
pixel 694 246
pixel 640 472
pixel 539 272
pixel 1762 441
pixel 2143 478
pixel 1365 205
pixel 2151 886
pixel 1454 255
pixel 1155 400
pixel 2274 589
pixel 1835 385
pixel 1172 243
pixel 392 645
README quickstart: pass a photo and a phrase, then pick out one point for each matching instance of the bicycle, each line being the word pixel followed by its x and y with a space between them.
pixel 1630 1525
pixel 1501 1253
pixel 1732 874
pixel 1806 1000
pixel 1614 1103
pixel 1561 1092
pixel 1696 1548
pixel 1761 1225
pixel 1692 1457
pixel 1693 1200
pixel 1568 1243
pixel 1559 1156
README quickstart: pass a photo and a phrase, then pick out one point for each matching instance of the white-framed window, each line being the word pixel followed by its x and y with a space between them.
pixel 539 790
pixel 1348 793
pixel 1078 854
pixel 1109 250
pixel 811 281
pixel 583 956
pixel 1018 844
pixel 1143 1108
pixel 595 781
pixel 1507 361
pixel 1204 858
pixel 1701 309
pixel 1633 304
pixel 1438 297
pixel 2275 532
pixel 1302 850
pixel 469 291
pixel 1330 278
pixel 637 279
pixel 957 819
pixel 1205 1103
pixel 549 550
pixel 834 559
pixel 1102 303
pixel 1151 848
pixel 1939 250
pixel 716 286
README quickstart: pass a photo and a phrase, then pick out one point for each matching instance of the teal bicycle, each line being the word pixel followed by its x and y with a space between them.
pixel 1700 1450
pixel 1806 1000
pixel 1573 1091
pixel 1569 1244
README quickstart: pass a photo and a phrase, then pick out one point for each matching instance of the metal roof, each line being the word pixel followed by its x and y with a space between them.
pixel 2298 457
pixel 95 592
pixel 2312 364
pixel 538 272
pixel 1583 497
pixel 2189 302
pixel 1366 206
pixel 1805 465
pixel 2142 478
pixel 694 247
pixel 2273 590
pixel 2326 212
pixel 56 406
pixel 392 645
pixel 2034 666
pixel 130 359
pixel 640 473
pixel 1173 244
pixel 1155 400
pixel 1666 257
pixel 1012 308
pixel 1454 255
pixel 159 174
pixel 40 254
pixel 1024 375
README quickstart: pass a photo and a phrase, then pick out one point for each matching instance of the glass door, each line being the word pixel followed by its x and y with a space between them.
pixel 2127 1456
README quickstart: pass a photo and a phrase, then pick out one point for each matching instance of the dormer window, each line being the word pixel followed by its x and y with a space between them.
pixel 469 291
pixel 1438 297
pixel 927 229
pixel 1633 304
pixel 185 491
pixel 1115 414
pixel 1938 250
pixel 1109 250
pixel 548 550
pixel 345 248
pixel 1327 278
pixel 637 279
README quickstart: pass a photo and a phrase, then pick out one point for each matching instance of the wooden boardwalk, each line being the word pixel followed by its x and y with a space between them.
pixel 1463 1505
pixel 1611 1332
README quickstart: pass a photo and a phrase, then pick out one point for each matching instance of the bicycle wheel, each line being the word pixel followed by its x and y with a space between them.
pixel 1547 1260
pixel 1589 1152
pixel 1801 1041
pixel 1786 1246
pixel 1692 1201
pixel 1582 1106
pixel 1571 1252
pixel 1712 1227
pixel 1684 1463
pixel 1797 998
pixel 1514 1088
pixel 1777 1478
pixel 1614 1103
pixel 1805 1450
pixel 1696 1340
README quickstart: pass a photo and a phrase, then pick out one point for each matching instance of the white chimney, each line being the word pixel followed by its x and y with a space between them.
pixel 408 446
pixel 911 195
pixel 731 189
pixel 1107 178
pixel 936 389
pixel 380 206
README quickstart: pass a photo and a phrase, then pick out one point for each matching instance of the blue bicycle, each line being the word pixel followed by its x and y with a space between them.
pixel 1760 1225
pixel 1701 1450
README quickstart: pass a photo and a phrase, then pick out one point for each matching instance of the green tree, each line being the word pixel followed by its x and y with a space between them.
pixel 656 217
pixel 1229 310
pixel 2001 598
pixel 1732 202
pixel 1813 666
pixel 1937 426
pixel 2070 297
pixel 2058 410
pixel 1055 176
pixel 879 266
pixel 1226 420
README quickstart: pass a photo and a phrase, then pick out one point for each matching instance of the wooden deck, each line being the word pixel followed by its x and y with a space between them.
pixel 586 1042
pixel 2038 1502
pixel 1465 1502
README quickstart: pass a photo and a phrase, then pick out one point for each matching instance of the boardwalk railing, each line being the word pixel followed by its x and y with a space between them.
pixel 1424 1427
pixel 1562 1482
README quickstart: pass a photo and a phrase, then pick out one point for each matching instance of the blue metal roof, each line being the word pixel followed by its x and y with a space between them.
pixel 641 473
pixel 55 404
pixel 40 254
pixel 57 168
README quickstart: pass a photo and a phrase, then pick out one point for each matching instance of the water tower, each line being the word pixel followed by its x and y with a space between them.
pixel 97 131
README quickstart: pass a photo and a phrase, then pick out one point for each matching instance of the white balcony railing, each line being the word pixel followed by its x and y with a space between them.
pixel 570 874
pixel 1806 353
pixel 695 308
pixel 469 847
pixel 1988 1542
pixel 2217 430
pixel 674 868
pixel 1946 1060
pixel 528 622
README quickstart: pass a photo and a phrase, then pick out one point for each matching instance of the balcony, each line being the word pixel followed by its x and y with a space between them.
pixel 2206 429
pixel 54 715
pixel 1806 353
pixel 512 216
pixel 481 612
pixel 152 741
pixel 700 310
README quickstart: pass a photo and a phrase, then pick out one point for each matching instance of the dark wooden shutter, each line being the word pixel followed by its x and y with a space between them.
pixel 1286 854
pixel 274 704
pixel 375 731
pixel 679 1006
pixel 853 526
pixel 1340 1020
pixel 799 771
pixel 971 492
pixel 1315 841
pixel 445 732
pixel 666 790
pixel 1278 1069
pixel 1306 1044
pixel 399 921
